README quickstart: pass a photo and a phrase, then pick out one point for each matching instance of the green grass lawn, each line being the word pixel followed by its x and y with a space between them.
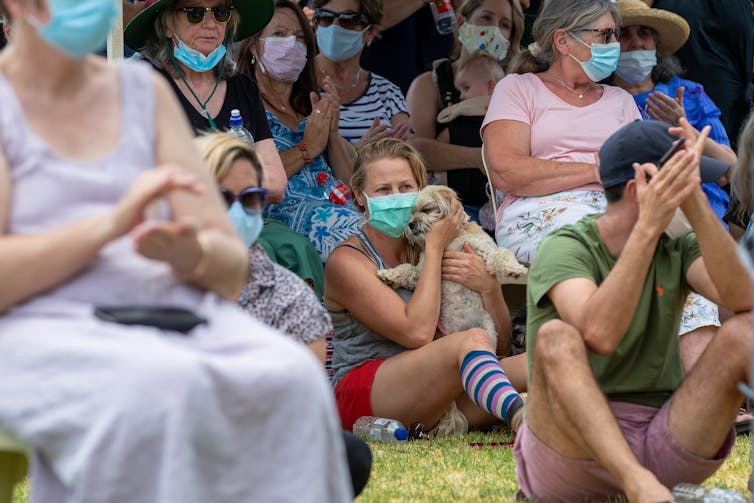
pixel 441 470
pixel 448 469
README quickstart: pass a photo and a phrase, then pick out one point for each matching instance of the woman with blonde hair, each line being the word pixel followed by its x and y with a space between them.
pixel 389 357
pixel 492 27
pixel 273 294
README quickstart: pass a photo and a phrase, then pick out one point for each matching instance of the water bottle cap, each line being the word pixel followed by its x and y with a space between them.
pixel 401 434
pixel 235 118
pixel 322 178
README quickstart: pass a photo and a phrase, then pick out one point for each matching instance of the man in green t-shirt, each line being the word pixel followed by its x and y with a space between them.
pixel 609 409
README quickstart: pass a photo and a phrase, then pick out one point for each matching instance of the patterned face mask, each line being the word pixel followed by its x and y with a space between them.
pixel 486 39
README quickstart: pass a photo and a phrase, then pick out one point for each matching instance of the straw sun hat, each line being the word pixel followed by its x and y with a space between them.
pixel 673 29
pixel 254 14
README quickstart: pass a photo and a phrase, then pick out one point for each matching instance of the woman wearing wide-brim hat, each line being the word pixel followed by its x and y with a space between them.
pixel 648 70
pixel 190 43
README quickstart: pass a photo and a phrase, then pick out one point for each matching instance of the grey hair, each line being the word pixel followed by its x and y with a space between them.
pixel 559 15
pixel 158 51
pixel 740 183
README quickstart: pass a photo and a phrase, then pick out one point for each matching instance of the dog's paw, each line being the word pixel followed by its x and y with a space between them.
pixel 503 264
pixel 403 276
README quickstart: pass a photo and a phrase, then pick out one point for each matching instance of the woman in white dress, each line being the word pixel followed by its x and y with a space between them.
pixel 197 405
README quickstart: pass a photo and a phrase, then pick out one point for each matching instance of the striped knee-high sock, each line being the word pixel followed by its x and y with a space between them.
pixel 487 385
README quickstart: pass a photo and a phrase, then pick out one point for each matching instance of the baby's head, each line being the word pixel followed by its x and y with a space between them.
pixel 478 76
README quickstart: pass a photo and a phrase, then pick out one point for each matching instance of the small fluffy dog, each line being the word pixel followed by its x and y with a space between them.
pixel 460 308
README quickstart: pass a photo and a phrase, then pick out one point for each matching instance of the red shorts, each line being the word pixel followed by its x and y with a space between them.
pixel 353 394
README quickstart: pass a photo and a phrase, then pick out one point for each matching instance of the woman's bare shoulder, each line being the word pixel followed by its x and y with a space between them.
pixel 421 84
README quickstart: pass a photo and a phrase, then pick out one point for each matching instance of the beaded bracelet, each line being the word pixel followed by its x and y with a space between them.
pixel 304 153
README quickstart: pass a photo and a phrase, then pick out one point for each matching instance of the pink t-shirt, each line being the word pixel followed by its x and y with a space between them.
pixel 560 131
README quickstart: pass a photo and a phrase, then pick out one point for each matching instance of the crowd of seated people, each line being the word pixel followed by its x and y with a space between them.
pixel 175 265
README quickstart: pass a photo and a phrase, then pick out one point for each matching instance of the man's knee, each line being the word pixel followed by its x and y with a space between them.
pixel 735 334
pixel 559 341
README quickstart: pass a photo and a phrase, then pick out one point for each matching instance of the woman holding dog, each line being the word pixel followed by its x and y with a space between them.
pixel 387 359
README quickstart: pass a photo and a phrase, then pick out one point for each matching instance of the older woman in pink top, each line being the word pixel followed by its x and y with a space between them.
pixel 548 119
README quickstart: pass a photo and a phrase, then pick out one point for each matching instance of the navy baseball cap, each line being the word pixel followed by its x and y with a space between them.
pixel 644 141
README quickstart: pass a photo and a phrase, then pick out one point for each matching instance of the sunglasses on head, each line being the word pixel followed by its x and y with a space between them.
pixel 606 35
pixel 195 15
pixel 348 19
pixel 252 199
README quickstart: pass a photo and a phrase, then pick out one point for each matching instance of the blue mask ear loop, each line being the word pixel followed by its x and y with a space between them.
pixel 212 125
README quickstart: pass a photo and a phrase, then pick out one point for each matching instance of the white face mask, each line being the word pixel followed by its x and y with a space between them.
pixel 635 66
pixel 678 226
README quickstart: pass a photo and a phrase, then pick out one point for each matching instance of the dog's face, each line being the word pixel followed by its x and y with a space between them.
pixel 432 204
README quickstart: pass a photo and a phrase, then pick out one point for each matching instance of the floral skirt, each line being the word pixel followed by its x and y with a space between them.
pixel 525 223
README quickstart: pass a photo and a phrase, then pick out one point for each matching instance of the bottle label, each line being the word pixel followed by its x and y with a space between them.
pixel 443 6
pixel 381 422
pixel 339 194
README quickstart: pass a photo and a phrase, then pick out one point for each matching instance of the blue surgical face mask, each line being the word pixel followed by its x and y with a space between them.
pixel 248 224
pixel 635 66
pixel 390 214
pixel 339 44
pixel 603 62
pixel 195 59
pixel 77 27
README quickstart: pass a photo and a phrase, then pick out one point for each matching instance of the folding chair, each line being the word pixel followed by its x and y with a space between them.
pixel 13 465
pixel 493 200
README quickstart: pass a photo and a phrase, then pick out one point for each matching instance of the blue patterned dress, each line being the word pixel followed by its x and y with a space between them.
pixel 305 209
pixel 700 112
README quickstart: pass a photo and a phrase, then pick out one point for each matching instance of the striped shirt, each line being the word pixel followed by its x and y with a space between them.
pixel 382 99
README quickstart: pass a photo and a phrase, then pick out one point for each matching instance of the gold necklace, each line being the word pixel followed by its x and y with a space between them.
pixel 282 108
pixel 573 89
pixel 355 80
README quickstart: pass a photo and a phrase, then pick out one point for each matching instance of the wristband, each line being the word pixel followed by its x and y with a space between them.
pixel 304 153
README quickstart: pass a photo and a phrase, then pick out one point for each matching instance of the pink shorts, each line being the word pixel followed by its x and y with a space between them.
pixel 353 394
pixel 545 475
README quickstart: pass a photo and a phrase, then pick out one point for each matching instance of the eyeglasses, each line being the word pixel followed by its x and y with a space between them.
pixel 348 19
pixel 252 199
pixel 195 15
pixel 607 34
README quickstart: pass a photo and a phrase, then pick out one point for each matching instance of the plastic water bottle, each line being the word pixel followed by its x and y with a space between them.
pixel 698 494
pixel 335 191
pixel 445 18
pixel 380 429
pixel 236 127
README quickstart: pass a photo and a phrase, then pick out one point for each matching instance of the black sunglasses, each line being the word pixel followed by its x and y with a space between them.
pixel 348 19
pixel 195 15
pixel 607 34
pixel 252 199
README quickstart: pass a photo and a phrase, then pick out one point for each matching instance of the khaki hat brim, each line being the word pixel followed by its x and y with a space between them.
pixel 672 28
